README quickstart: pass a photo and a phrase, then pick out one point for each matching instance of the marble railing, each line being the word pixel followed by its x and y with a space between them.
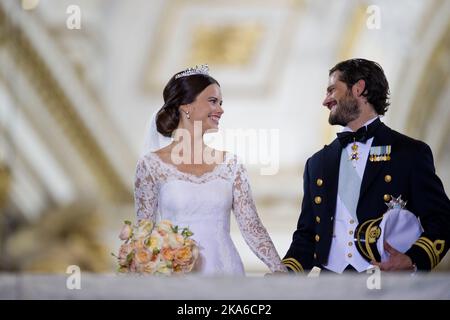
pixel 326 286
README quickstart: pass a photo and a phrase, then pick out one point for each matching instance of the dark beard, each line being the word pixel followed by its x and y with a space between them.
pixel 346 111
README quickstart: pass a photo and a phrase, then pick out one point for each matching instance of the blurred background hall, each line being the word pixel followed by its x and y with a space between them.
pixel 75 104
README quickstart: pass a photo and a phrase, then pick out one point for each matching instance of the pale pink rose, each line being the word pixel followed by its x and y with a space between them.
pixel 168 254
pixel 187 265
pixel 150 267
pixel 126 232
pixel 143 256
pixel 195 253
pixel 133 267
pixel 124 250
pixel 183 256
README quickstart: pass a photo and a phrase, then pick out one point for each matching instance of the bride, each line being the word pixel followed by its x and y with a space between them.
pixel 196 186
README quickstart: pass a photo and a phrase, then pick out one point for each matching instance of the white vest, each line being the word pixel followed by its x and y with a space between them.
pixel 343 251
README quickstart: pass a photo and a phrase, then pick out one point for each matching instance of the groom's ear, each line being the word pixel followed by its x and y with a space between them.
pixel 358 88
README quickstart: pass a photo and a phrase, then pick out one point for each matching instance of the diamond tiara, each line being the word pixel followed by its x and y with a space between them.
pixel 203 69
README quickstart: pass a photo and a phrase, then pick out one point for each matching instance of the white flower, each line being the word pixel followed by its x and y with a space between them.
pixel 175 240
pixel 166 226
pixel 143 228
pixel 155 241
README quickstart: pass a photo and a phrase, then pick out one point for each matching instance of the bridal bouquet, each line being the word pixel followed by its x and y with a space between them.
pixel 163 249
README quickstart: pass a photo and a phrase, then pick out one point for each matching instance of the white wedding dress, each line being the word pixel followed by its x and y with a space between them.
pixel 204 205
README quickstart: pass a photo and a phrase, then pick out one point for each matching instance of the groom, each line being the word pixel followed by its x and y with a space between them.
pixel 351 180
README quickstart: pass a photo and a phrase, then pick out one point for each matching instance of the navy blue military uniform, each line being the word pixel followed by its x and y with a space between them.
pixel 409 172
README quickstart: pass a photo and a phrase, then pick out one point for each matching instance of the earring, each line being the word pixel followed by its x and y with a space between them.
pixel 187 114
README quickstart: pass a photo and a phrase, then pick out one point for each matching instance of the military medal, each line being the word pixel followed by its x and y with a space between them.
pixel 355 155
pixel 380 153
pixel 396 203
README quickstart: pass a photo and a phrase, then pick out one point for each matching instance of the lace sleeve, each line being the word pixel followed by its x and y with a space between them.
pixel 252 229
pixel 145 192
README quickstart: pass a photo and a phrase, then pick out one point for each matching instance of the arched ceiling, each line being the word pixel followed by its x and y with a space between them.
pixel 75 103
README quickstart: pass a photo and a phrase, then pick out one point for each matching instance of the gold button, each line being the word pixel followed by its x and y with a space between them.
pixel 386 197
pixel 350 232
pixel 315 256
pixel 331 218
pixel 317 219
pixel 349 255
pixel 350 244
pixel 317 238
pixel 318 200
pixel 387 178
pixel 319 182
pixel 352 221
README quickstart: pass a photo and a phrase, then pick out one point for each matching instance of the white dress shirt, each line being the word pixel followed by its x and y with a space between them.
pixel 343 251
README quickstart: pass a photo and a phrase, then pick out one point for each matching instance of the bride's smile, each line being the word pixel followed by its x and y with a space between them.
pixel 206 108
pixel 215 118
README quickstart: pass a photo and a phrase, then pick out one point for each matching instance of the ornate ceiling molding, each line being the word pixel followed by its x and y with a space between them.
pixel 244 56
pixel 64 112
pixel 352 32
pixel 434 84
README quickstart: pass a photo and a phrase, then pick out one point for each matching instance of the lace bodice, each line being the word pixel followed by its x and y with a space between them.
pixel 204 202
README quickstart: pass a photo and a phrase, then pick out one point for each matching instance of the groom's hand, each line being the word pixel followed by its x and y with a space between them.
pixel 397 261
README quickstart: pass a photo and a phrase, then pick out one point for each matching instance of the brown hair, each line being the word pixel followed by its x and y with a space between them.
pixel 377 88
pixel 177 92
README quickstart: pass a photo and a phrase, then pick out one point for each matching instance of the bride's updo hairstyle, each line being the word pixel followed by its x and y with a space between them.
pixel 181 89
